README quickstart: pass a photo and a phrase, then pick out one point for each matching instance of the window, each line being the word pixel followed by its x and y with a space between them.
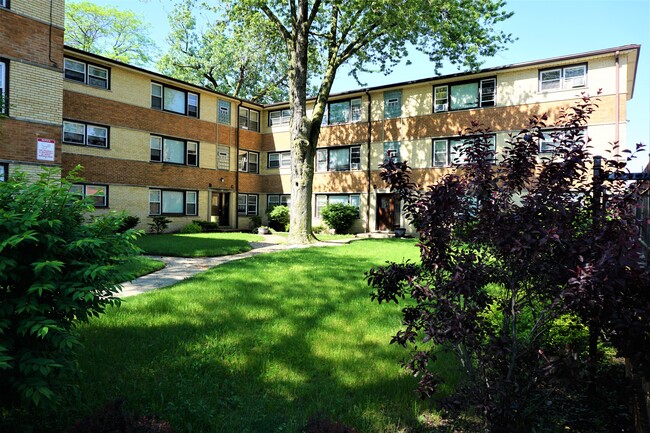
pixel 568 77
pixel 466 95
pixel 342 112
pixel 223 158
pixel 248 161
pixel 279 159
pixel 247 204
pixel 249 119
pixel 555 138
pixel 338 159
pixel 99 193
pixel 273 200
pixel 392 104
pixel 174 100
pixel 86 73
pixel 174 151
pixel 446 151
pixel 4 3
pixel 391 151
pixel 4 172
pixel 224 112
pixel 323 200
pixel 169 202
pixel 85 134
pixel 279 117
pixel 3 87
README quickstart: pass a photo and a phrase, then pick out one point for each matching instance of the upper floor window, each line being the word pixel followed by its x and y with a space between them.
pixel 174 100
pixel 342 112
pixel 85 134
pixel 447 151
pixel 170 202
pixel 174 151
pixel 392 104
pixel 4 3
pixel 279 159
pixel 338 158
pixel 249 162
pixel 247 204
pixel 98 193
pixel 465 95
pixel 223 115
pixel 3 87
pixel 4 172
pixel 279 117
pixel 223 158
pixel 391 151
pixel 86 73
pixel 249 119
pixel 568 77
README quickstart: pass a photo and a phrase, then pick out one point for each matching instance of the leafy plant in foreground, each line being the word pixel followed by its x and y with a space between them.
pixel 340 216
pixel 509 249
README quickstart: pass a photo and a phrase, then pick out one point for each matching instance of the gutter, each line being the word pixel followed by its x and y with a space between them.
pixel 368 169
pixel 237 167
pixel 618 107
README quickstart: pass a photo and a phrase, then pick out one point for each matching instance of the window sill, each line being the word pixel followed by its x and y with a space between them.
pixel 68 80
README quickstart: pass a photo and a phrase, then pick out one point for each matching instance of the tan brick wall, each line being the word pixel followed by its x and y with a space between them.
pixel 32 171
pixel 40 10
pixel 35 93
pixel 18 140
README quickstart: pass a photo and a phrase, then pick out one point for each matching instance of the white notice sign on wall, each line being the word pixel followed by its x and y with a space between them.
pixel 45 149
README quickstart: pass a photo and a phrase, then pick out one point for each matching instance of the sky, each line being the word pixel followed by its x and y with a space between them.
pixel 544 29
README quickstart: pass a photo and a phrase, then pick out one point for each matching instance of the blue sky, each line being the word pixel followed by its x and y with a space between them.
pixel 544 29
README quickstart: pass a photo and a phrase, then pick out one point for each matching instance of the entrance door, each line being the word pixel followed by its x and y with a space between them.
pixel 385 212
pixel 221 208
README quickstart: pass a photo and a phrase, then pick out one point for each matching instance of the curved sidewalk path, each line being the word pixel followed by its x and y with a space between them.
pixel 179 268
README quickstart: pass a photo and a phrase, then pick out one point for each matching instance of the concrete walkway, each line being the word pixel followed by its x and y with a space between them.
pixel 179 268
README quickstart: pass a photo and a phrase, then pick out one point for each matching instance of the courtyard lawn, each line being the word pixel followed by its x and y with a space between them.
pixel 197 245
pixel 138 266
pixel 259 345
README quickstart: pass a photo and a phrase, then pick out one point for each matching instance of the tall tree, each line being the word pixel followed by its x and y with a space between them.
pixel 362 33
pixel 110 32
pixel 242 61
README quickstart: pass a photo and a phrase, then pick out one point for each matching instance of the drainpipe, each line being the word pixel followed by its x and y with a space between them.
pixel 368 163
pixel 237 168
pixel 618 107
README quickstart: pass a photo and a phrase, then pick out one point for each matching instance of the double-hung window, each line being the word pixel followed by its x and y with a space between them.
pixel 323 200
pixel 174 100
pixel 4 3
pixel 223 115
pixel 249 161
pixel 247 204
pixel 172 202
pixel 568 77
pixel 249 119
pixel 345 111
pixel 279 159
pixel 279 117
pixel 85 134
pixel 447 151
pixel 98 193
pixel 174 151
pixel 4 172
pixel 86 73
pixel 465 95
pixel 392 104
pixel 273 200
pixel 559 138
pixel 391 151
pixel 338 158
pixel 3 87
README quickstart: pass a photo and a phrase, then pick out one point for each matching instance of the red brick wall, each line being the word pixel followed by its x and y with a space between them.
pixel 18 140
pixel 26 39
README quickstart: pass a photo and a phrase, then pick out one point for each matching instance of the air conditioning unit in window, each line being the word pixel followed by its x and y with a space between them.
pixel 575 82
pixel 441 107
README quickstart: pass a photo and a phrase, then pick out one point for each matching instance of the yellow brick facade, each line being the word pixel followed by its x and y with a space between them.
pixel 41 10
pixel 31 90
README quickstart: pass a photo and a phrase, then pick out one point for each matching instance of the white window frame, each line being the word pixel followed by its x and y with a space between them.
pixel 89 78
pixel 157 198
pixel 279 117
pixel 4 3
pixel 86 141
pixel 441 103
pixel 157 143
pixel 4 85
pixel 323 200
pixel 442 95
pixel 82 191
pixel 273 200
pixel 353 111
pixel 189 109
pixel 247 159
pixel 249 119
pixel 451 145
pixel 249 204
pixel 279 159
pixel 323 159
pixel 562 82
pixel 4 171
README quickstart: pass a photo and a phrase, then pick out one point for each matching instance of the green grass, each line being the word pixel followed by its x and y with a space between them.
pixel 138 266
pixel 258 345
pixel 197 245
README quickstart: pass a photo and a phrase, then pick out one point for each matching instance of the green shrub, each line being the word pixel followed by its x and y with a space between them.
pixel 56 270
pixel 191 228
pixel 318 229
pixel 159 224
pixel 279 218
pixel 128 222
pixel 340 216
pixel 207 226
pixel 255 222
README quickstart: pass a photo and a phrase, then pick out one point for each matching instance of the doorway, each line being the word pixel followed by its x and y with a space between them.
pixel 385 212
pixel 220 210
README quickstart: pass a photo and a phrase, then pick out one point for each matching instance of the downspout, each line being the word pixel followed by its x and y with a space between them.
pixel 618 106
pixel 368 162
pixel 237 168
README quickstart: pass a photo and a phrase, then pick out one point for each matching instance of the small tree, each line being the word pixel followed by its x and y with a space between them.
pixel 56 270
pixel 509 249
pixel 340 216
pixel 279 217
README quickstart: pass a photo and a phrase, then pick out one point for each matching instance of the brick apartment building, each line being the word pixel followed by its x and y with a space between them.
pixel 153 145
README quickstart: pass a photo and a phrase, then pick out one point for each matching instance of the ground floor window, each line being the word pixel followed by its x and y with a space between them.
pixel 247 204
pixel 323 200
pixel 447 151
pixel 98 193
pixel 171 202
pixel 273 200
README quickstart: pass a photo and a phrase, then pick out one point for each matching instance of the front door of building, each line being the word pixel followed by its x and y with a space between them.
pixel 385 212
pixel 221 208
